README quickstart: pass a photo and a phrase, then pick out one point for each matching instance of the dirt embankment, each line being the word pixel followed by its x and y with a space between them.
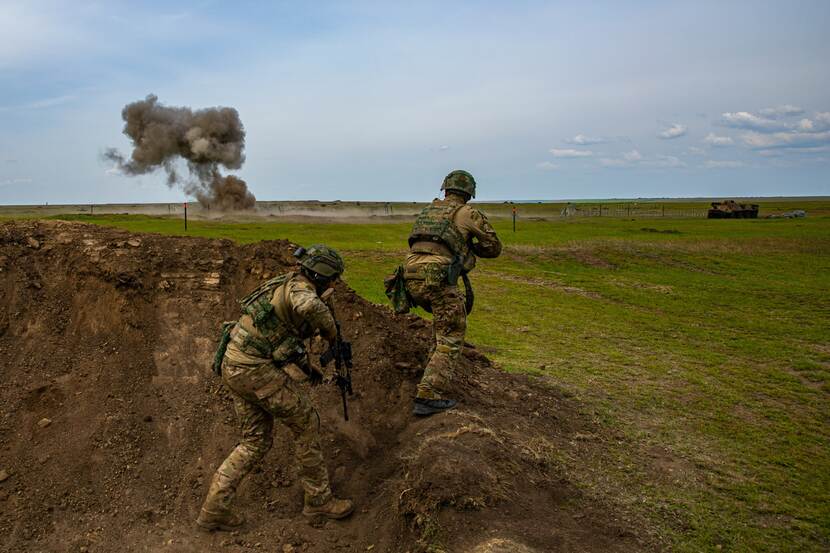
pixel 111 422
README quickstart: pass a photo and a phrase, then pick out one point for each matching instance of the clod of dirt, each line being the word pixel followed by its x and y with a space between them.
pixel 3 475
pixel 44 422
pixel 118 348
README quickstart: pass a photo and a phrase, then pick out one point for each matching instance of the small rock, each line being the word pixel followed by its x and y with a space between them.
pixel 32 243
pixel 134 242
pixel 44 422
pixel 3 475
pixel 370 547
pixel 287 548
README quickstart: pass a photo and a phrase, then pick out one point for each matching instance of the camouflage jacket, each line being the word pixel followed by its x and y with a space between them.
pixel 298 312
pixel 476 230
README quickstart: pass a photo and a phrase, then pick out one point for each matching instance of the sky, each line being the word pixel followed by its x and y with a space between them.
pixel 379 100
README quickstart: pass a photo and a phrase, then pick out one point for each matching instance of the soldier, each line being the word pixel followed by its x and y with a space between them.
pixel 264 343
pixel 447 236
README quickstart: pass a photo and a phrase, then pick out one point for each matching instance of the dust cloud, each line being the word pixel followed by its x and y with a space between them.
pixel 205 139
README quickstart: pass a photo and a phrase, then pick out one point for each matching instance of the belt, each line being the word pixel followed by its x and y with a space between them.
pixel 435 248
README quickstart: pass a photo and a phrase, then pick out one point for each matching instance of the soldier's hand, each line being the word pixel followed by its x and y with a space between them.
pixel 315 376
pixel 326 296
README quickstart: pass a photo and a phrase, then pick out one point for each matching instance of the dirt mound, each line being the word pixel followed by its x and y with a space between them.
pixel 112 422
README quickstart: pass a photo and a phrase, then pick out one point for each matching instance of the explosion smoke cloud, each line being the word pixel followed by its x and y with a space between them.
pixel 206 139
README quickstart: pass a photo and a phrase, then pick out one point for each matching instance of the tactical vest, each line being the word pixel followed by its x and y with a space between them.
pixel 436 223
pixel 278 340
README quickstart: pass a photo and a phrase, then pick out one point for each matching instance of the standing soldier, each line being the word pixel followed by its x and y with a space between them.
pixel 268 338
pixel 447 236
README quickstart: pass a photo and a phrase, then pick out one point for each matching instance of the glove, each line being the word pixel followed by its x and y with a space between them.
pixel 315 376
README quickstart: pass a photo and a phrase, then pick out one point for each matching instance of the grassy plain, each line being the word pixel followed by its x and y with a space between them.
pixel 703 346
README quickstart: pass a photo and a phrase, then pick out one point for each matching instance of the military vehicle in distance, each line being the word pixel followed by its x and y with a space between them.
pixel 731 209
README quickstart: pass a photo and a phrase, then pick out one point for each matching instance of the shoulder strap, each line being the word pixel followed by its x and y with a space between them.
pixel 282 309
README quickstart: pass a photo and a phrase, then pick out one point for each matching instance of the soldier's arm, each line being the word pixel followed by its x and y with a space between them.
pixel 485 243
pixel 307 304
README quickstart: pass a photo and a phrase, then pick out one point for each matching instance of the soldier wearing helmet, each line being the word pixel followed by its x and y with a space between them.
pixel 447 237
pixel 265 345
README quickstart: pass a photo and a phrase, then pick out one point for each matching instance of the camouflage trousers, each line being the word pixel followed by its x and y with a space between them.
pixel 256 411
pixel 428 287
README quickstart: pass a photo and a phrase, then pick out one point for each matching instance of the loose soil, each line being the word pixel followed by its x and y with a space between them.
pixel 111 422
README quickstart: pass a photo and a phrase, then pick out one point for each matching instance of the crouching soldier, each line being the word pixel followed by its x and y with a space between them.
pixel 265 342
pixel 447 236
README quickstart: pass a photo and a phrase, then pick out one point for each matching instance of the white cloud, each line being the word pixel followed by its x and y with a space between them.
pixel 786 139
pixel 786 110
pixel 782 152
pixel 750 121
pixel 727 164
pixel 676 130
pixel 769 120
pixel 582 140
pixel 819 123
pixel 443 148
pixel 635 159
pixel 547 166
pixel 611 162
pixel 695 151
pixel 12 182
pixel 714 140
pixel 570 152
pixel 664 161
pixel 41 104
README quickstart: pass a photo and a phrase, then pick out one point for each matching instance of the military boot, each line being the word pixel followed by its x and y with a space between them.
pixel 333 508
pixel 227 522
pixel 425 407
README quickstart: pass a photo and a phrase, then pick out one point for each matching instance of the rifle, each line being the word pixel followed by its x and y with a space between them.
pixel 455 270
pixel 341 352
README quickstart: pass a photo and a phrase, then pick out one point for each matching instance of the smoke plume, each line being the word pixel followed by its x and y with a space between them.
pixel 206 139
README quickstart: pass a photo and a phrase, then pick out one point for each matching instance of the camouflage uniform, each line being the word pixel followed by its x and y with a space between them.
pixel 262 391
pixel 425 273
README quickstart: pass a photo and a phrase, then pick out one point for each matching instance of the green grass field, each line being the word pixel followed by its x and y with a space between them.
pixel 703 346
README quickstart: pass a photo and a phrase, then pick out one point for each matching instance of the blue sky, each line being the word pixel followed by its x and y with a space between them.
pixel 379 100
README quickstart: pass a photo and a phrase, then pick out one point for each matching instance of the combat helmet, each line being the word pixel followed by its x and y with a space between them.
pixel 322 260
pixel 461 181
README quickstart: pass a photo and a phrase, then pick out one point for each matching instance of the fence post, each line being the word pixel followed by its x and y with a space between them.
pixel 514 218
pixel 185 216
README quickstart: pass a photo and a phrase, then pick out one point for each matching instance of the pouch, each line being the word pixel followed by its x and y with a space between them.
pixel 224 339
pixel 395 287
